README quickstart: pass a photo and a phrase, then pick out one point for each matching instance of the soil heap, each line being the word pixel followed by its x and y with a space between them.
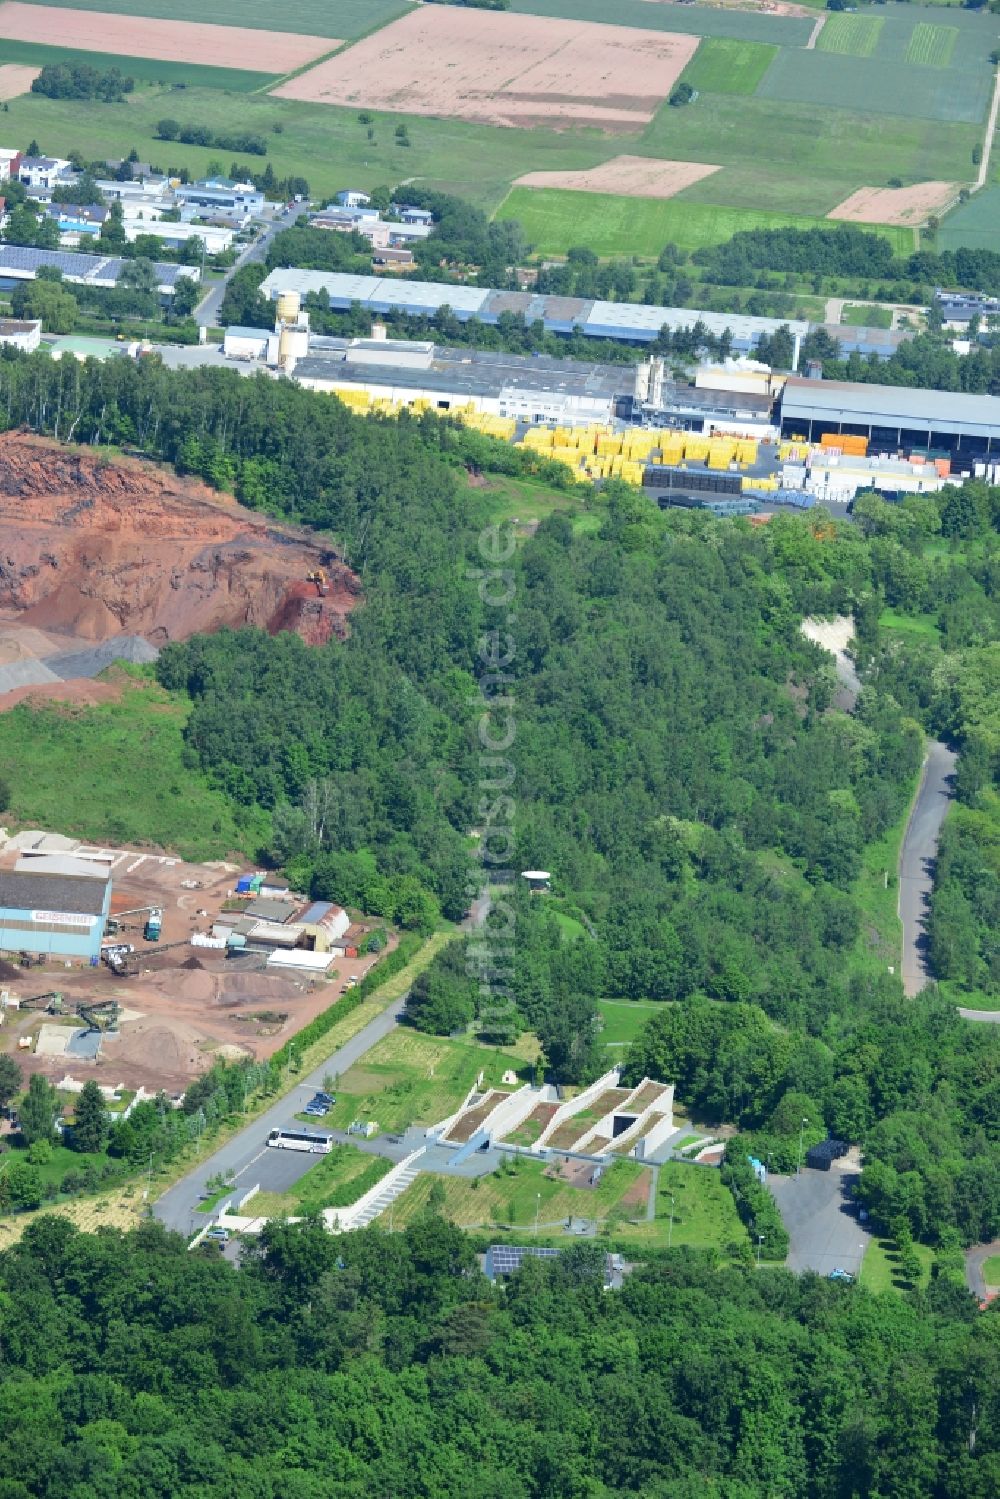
pixel 97 549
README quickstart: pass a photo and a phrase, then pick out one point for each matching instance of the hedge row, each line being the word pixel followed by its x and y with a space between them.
pixel 408 948
pixel 756 1208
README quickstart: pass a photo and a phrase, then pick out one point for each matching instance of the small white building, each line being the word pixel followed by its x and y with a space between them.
pixel 352 197
pixel 174 236
pixel 19 333
pixel 250 343
pixel 9 162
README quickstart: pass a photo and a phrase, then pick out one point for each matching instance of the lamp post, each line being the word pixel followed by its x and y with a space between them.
pixel 760 1245
pixel 670 1230
pixel 798 1169
pixel 538 1206
pixel 861 1261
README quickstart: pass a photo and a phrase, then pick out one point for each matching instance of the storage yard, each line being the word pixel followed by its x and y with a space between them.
pixel 182 1006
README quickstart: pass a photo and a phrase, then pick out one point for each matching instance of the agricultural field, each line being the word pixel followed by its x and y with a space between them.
pixel 878 85
pixel 863 315
pixel 932 46
pixel 850 36
pixel 697 20
pixel 180 41
pixel 479 65
pixel 723 65
pixel 626 177
pixel 347 18
pixel 145 70
pixel 975 224
pixel 553 221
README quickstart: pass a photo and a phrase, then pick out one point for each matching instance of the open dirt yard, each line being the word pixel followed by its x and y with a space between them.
pixel 896 205
pixel 16 78
pixel 626 176
pixel 171 41
pixel 186 1006
pixel 503 70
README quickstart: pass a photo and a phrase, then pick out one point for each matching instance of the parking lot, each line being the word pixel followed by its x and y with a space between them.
pixel 821 1218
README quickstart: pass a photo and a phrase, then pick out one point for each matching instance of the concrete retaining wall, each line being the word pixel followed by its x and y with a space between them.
pixel 339 1220
pixel 575 1105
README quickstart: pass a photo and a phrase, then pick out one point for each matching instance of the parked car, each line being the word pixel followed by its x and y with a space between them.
pixel 844 1275
pixel 220 1235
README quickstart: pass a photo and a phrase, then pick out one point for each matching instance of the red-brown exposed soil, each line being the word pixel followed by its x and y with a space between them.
pixel 96 549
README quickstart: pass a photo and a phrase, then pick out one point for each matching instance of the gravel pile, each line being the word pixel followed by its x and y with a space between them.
pixel 25 674
pixel 89 663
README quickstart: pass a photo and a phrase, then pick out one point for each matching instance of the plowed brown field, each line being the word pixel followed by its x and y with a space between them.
pixel 626 176
pixel 171 41
pixel 504 70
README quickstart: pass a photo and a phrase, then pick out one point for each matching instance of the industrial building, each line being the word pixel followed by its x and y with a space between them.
pixel 629 322
pixel 21 333
pixel 220 195
pixel 892 418
pixel 20 263
pixel 54 915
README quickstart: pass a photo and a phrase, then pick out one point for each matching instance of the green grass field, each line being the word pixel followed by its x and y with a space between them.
pixel 723 65
pixel 880 1271
pixel 337 1180
pixel 991 1270
pixel 932 46
pixel 975 224
pixel 908 624
pixel 852 36
pixel 878 85
pixel 511 1198
pixel 142 69
pixel 115 773
pixel 622 1020
pixel 697 20
pixel 880 942
pixel 863 315
pixel 554 220
pixel 410 1078
pixel 342 18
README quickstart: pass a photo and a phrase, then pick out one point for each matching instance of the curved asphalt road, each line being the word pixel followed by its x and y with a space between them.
pixel 916 860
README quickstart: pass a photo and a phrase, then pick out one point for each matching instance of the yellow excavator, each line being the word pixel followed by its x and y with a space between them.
pixel 318 576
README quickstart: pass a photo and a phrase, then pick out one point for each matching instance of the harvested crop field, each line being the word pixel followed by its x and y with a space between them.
pixel 625 176
pixel 16 78
pixel 479 65
pixel 172 41
pixel 896 205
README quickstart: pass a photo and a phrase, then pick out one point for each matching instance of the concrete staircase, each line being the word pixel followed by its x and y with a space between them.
pixel 392 1186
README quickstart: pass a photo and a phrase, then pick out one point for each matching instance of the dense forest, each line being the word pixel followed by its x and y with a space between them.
pixel 676 763
pixel 378 1364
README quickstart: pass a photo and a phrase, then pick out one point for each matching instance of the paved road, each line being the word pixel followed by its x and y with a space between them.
pixel 974 1261
pixel 821 1220
pixel 207 312
pixel 916 860
pixel 176 1208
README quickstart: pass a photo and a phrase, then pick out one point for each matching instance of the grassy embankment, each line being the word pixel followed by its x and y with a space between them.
pixel 115 772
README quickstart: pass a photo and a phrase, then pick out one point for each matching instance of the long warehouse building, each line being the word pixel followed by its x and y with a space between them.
pixel 892 417
pixel 631 322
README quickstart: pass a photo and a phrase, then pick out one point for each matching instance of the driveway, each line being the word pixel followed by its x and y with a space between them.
pixel 916 860
pixel 975 1258
pixel 821 1220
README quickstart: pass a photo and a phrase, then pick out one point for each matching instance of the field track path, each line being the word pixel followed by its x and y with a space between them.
pixel 814 34
pixel 991 125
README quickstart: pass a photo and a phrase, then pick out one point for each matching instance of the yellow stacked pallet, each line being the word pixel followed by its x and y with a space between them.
pixel 746 450
pixel 672 450
pixel 632 472
pixel 695 448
